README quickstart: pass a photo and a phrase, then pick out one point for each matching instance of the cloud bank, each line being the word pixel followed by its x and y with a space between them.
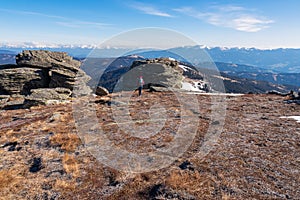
pixel 229 16
pixel 150 10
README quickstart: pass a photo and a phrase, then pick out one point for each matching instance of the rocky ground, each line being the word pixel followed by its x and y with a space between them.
pixel 257 155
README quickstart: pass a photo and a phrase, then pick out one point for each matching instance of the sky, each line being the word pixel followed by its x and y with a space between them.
pixel 235 23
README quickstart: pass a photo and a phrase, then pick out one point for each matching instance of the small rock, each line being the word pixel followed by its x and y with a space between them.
pixel 3 100
pixel 55 117
pixel 186 165
pixel 101 91
pixel 55 173
pixel 46 186
pixel 215 123
pixel 36 165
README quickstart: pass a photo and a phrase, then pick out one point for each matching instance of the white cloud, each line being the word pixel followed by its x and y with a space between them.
pixel 250 24
pixel 21 12
pixel 150 10
pixel 235 17
pixel 229 8
pixel 66 22
pixel 81 24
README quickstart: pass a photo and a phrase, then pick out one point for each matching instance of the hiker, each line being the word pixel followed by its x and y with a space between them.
pixel 141 84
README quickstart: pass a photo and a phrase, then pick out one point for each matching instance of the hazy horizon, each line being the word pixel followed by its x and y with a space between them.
pixel 40 45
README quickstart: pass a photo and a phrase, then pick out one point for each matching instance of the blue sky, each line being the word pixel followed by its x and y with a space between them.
pixel 235 23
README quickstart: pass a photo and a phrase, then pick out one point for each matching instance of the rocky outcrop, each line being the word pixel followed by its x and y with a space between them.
pixel 39 69
pixel 158 72
pixel 294 97
pixel 63 69
pixel 155 72
pixel 279 93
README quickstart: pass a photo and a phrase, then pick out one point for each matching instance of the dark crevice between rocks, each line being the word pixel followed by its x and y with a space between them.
pixel 42 82
pixel 3 91
pixel 14 107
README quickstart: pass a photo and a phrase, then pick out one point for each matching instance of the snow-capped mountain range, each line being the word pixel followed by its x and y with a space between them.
pixel 273 60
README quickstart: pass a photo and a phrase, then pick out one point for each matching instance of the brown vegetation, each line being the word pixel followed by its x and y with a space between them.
pixel 67 142
pixel 256 156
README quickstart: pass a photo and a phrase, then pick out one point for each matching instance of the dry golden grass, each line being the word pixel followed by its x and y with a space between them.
pixel 226 197
pixel 136 184
pixel 246 164
pixel 6 178
pixel 10 182
pixel 191 182
pixel 68 142
pixel 65 185
pixel 9 135
pixel 9 132
pixel 70 165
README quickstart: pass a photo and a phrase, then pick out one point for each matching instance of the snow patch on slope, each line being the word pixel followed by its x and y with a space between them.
pixel 185 68
pixel 190 87
pixel 297 118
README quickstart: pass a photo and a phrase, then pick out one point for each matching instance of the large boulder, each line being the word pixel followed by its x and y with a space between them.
pixel 20 80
